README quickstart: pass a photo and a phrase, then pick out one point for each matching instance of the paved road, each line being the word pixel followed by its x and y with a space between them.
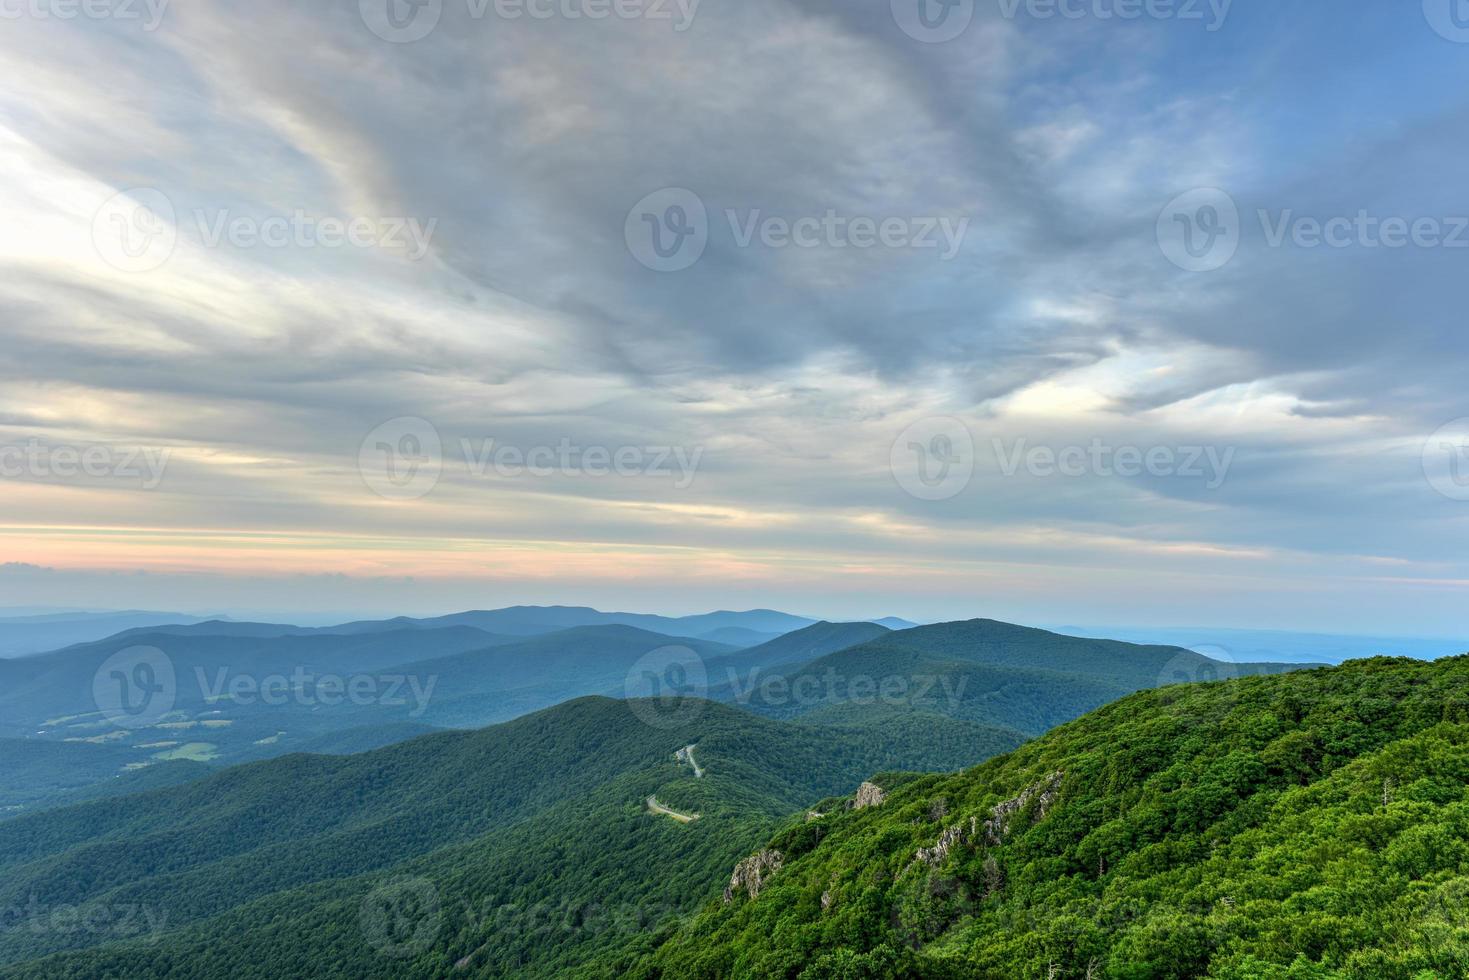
pixel 657 807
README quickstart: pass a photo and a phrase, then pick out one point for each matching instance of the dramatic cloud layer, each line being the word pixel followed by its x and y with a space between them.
pixel 880 255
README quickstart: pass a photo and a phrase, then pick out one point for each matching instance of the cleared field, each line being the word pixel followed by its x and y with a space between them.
pixel 193 751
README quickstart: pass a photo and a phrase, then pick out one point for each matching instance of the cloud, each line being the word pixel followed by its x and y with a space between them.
pixel 526 143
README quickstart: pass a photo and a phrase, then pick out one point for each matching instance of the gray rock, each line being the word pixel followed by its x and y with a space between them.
pixel 751 874
pixel 1042 794
pixel 869 794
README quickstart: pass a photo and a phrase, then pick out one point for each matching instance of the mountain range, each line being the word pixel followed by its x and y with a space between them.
pixel 39 632
pixel 759 625
pixel 240 692
pixel 624 774
pixel 1025 679
pixel 414 679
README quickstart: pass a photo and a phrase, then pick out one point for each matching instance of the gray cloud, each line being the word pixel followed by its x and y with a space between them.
pixel 528 142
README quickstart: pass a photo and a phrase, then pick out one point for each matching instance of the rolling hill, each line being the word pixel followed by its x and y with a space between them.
pixel 537 620
pixel 238 698
pixel 736 636
pixel 800 646
pixel 33 770
pixel 265 868
pixel 23 635
pixel 483 687
pixel 1305 824
pixel 33 689
pixel 984 671
pixel 596 837
pixel 743 629
pixel 101 785
pixel 457 676
pixel 1312 648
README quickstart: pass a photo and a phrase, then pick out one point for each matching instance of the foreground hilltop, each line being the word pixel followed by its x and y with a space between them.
pixel 1306 825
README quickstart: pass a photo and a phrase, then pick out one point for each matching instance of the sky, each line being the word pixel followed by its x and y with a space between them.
pixel 1101 311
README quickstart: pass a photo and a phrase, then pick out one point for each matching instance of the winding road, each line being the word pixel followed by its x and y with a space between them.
pixel 686 754
pixel 656 807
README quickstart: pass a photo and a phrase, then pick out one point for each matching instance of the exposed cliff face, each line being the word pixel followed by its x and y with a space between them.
pixel 1043 794
pixel 994 830
pixel 869 794
pixel 948 840
pixel 751 874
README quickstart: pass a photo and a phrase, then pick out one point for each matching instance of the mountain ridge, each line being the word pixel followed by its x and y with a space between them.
pixel 1304 824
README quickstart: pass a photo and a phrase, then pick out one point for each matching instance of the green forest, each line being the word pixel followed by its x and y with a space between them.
pixel 1307 824
pixel 1311 825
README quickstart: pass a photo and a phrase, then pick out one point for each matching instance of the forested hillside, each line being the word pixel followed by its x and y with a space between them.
pixel 984 671
pixel 800 646
pixel 253 692
pixel 583 837
pixel 265 868
pixel 1310 825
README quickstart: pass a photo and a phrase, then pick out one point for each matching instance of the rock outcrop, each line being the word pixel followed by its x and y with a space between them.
pixel 751 874
pixel 869 794
pixel 1043 794
pixel 828 897
pixel 948 840
pixel 994 830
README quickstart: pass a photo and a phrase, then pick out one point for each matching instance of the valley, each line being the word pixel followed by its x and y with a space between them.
pixel 752 809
